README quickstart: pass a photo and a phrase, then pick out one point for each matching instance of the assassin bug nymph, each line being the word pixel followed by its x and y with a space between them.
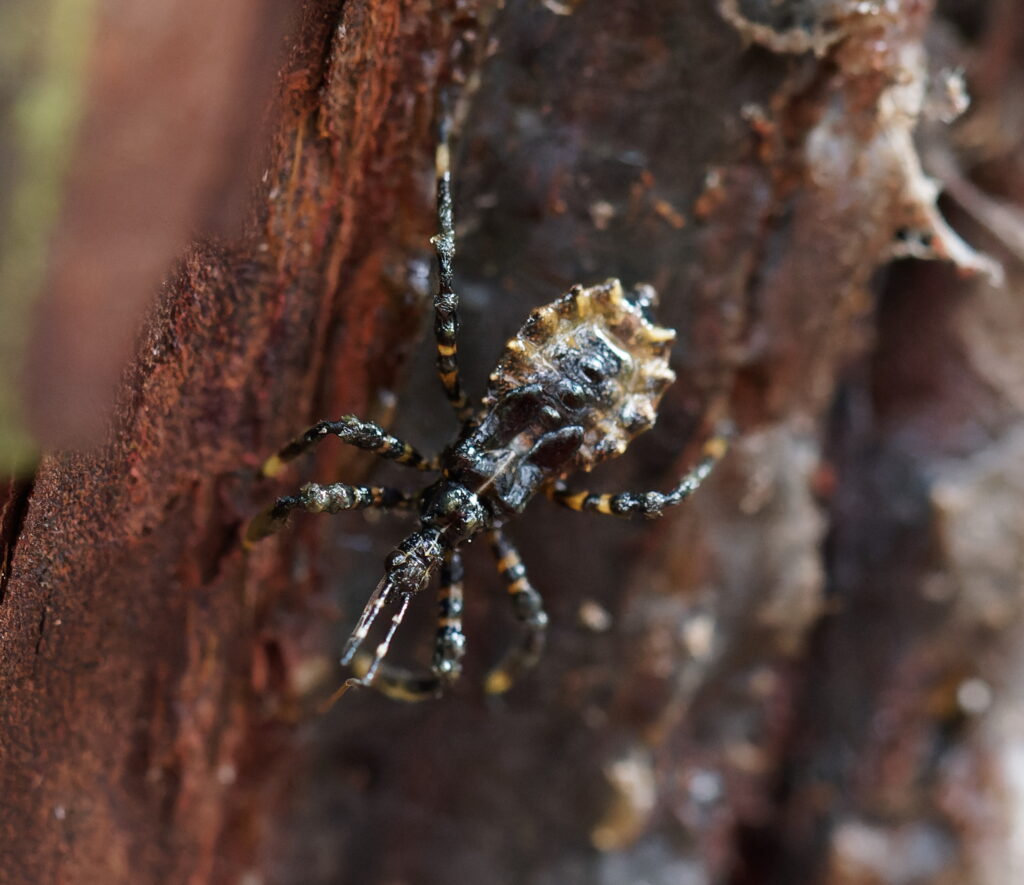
pixel 580 379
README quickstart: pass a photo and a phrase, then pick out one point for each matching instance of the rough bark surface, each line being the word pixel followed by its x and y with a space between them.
pixel 809 673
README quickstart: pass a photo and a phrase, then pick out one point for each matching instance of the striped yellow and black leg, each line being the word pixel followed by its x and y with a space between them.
pixel 446 302
pixel 449 641
pixel 366 435
pixel 649 505
pixel 314 498
pixel 529 610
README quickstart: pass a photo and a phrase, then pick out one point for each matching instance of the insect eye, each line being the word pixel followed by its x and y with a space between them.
pixel 592 373
pixel 573 397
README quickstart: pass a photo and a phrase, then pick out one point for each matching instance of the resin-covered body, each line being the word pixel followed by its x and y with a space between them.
pixel 581 378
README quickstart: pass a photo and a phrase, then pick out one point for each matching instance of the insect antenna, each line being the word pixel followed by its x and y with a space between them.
pixel 382 649
pixel 378 599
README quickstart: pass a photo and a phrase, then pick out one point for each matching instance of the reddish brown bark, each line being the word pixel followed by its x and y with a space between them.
pixel 141 649
pixel 174 93
pixel 808 667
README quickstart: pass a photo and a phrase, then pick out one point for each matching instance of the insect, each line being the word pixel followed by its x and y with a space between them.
pixel 580 379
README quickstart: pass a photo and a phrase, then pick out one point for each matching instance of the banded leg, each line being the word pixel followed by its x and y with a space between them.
pixel 366 435
pixel 646 504
pixel 449 647
pixel 449 641
pixel 446 302
pixel 529 609
pixel 314 498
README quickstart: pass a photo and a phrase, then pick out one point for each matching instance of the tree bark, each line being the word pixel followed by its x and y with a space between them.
pixel 804 674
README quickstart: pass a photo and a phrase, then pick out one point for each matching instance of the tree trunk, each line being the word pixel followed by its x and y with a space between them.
pixel 807 673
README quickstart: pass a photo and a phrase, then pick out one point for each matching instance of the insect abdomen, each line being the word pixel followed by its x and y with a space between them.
pixel 602 363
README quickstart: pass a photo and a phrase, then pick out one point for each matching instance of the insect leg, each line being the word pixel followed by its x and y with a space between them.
pixel 367 435
pixel 529 609
pixel 446 302
pixel 646 504
pixel 449 641
pixel 395 682
pixel 314 498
